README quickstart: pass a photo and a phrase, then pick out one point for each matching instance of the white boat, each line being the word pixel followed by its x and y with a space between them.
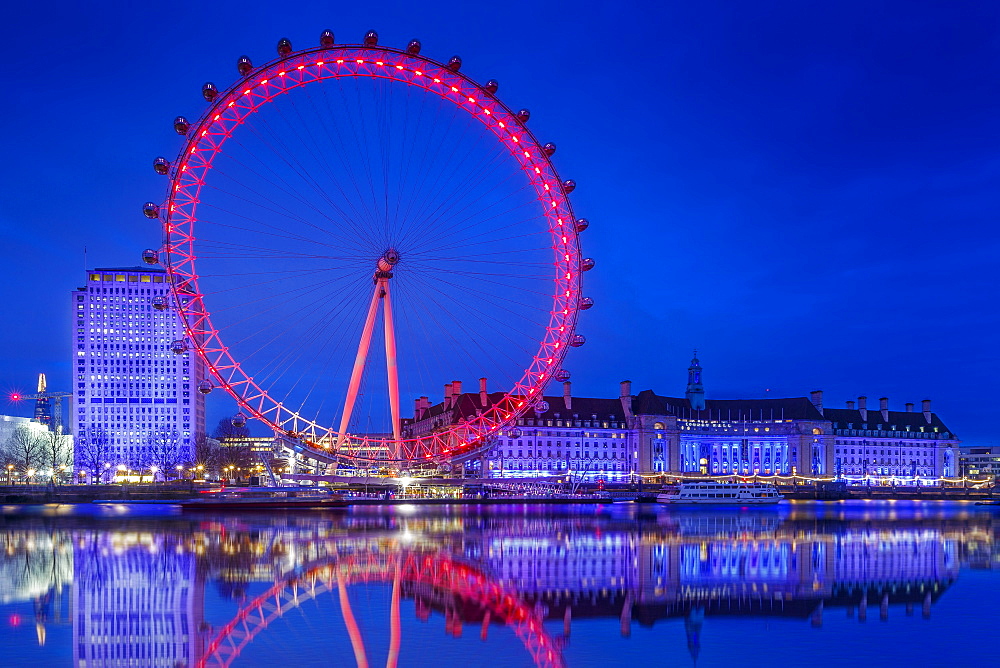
pixel 715 493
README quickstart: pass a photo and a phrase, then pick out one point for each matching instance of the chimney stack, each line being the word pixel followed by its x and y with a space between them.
pixel 883 406
pixel 456 388
pixel 850 405
pixel 417 405
pixel 483 399
pixel 816 397
pixel 567 399
pixel 863 408
pixel 909 406
pixel 447 396
pixel 926 404
pixel 626 388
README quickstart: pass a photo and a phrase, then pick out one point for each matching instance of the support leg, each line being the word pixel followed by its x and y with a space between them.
pixel 359 366
pixel 391 367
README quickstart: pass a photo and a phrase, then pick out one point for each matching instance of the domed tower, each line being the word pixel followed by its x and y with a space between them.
pixel 695 393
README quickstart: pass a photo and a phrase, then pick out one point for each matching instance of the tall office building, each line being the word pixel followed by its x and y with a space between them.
pixel 137 402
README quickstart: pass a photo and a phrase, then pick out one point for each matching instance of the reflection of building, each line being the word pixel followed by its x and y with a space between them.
pixel 137 591
pixel 698 568
pixel 137 601
pixel 130 386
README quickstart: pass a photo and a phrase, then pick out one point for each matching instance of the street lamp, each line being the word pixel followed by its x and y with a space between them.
pixel 31 475
pixel 153 470
pixel 10 471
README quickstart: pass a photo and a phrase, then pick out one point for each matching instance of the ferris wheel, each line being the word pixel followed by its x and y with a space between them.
pixel 348 226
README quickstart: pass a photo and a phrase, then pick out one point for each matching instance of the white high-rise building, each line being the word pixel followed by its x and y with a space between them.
pixel 136 401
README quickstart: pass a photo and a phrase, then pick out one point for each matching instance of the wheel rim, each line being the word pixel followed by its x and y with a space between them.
pixel 191 174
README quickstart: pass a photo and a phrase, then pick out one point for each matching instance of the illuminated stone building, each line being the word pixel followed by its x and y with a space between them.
pixel 615 439
pixel 893 445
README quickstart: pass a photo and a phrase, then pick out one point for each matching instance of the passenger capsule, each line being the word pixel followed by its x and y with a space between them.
pixel 562 376
pixel 160 303
pixel 413 48
pixel 239 420
pixel 181 125
pixel 179 347
pixel 371 38
pixel 549 148
pixel 514 433
pixel 541 406
pixel 209 91
pixel 326 39
pixel 244 65
pixel 151 210
pixel 150 256
pixel 161 166
pixel 569 186
pixel 454 64
pixel 578 340
pixel 523 115
pixel 582 224
pixel 205 386
pixel 491 86
pixel 586 303
pixel 587 263
pixel 284 47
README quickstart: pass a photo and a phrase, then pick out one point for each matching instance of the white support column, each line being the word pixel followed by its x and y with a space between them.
pixel 359 365
pixel 390 365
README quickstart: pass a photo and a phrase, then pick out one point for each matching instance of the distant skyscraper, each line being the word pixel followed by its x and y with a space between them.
pixel 132 390
pixel 43 409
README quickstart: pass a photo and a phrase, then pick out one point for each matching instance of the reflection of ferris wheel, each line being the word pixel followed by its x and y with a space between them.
pixel 351 224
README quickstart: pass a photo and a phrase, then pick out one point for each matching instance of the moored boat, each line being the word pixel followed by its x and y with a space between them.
pixel 719 493
pixel 275 498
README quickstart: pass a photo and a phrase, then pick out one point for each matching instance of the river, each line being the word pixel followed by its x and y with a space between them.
pixel 824 584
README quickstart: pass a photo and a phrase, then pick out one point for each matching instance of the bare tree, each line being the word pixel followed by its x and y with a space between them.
pixel 56 452
pixel 93 453
pixel 235 452
pixel 25 450
pixel 140 461
pixel 226 429
pixel 206 454
pixel 164 450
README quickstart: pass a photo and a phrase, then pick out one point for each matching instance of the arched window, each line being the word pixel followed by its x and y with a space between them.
pixel 658 425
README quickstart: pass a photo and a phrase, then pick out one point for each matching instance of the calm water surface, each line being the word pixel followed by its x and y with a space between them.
pixel 898 584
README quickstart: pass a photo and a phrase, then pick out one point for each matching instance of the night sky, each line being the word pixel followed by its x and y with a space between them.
pixel 806 193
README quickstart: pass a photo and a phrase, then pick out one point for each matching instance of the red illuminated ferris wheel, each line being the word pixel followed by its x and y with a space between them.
pixel 350 225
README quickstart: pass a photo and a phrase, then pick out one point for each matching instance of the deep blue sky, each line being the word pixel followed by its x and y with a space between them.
pixel 807 193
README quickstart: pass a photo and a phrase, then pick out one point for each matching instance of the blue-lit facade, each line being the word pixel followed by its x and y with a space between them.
pixel 619 438
pixel 130 387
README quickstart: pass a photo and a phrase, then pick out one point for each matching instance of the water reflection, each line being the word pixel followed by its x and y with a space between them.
pixel 171 591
